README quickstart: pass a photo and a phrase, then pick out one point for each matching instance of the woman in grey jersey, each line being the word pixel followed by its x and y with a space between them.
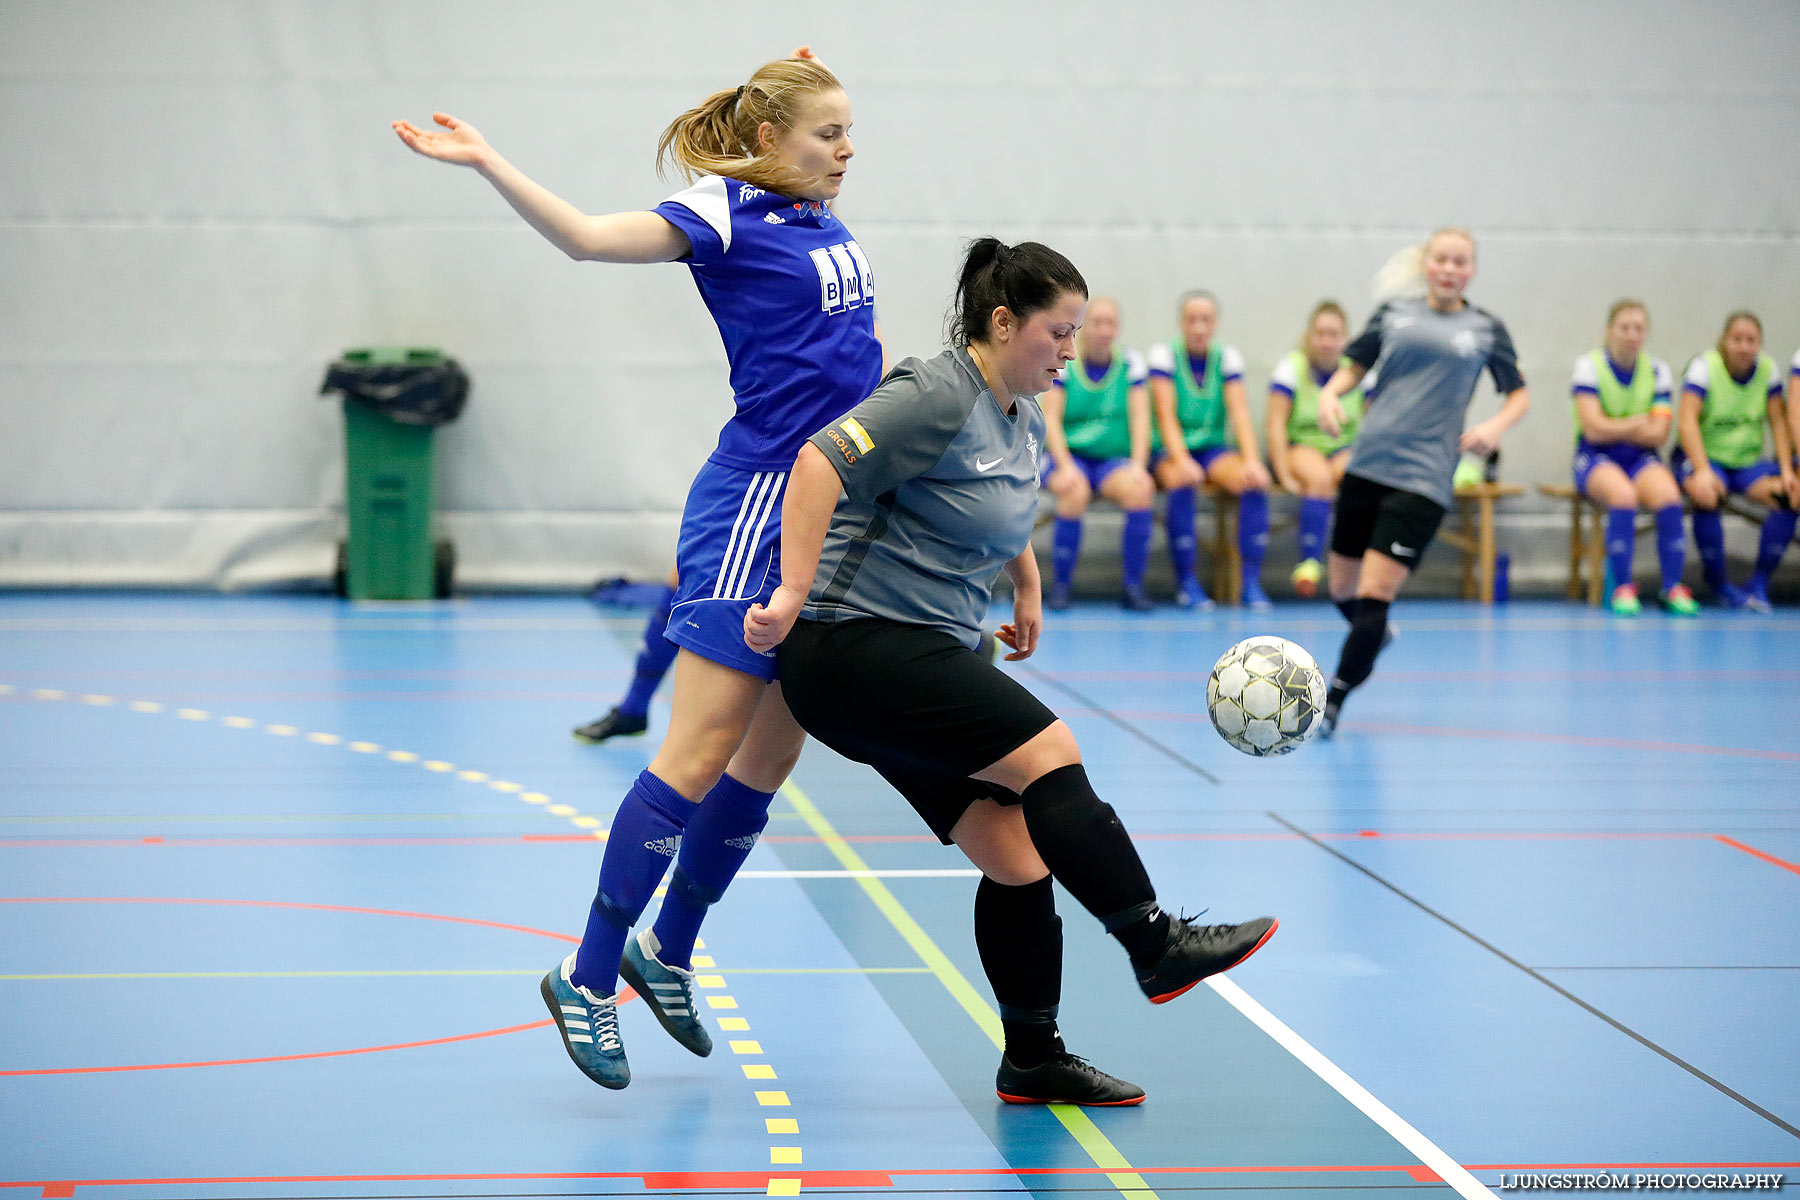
pixel 878 622
pixel 1429 350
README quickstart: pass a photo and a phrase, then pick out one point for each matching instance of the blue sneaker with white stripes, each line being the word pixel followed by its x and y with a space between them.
pixel 669 991
pixel 589 1025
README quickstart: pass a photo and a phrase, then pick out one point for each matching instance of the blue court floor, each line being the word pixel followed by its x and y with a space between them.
pixel 279 875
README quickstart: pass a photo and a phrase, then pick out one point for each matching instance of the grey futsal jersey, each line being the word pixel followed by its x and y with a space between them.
pixel 1427 362
pixel 940 493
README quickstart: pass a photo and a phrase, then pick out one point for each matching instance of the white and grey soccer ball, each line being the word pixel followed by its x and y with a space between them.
pixel 1266 696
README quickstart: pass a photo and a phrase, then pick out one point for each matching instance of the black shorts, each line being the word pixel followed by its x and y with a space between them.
pixel 914 703
pixel 1374 516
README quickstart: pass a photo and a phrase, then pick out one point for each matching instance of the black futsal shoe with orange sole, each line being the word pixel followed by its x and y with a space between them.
pixel 1196 951
pixel 1063 1079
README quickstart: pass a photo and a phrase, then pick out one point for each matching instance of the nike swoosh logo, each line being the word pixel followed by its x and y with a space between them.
pixel 1399 551
pixel 988 466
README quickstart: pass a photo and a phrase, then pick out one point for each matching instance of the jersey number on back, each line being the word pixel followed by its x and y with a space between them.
pixel 845 281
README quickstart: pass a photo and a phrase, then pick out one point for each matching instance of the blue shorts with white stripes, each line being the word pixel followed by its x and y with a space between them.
pixel 729 558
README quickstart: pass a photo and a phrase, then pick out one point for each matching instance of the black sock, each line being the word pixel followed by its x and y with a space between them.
pixel 1348 608
pixel 1360 647
pixel 1019 937
pixel 1080 839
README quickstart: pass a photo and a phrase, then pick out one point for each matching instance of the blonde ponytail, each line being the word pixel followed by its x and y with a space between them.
pixel 719 135
pixel 1402 277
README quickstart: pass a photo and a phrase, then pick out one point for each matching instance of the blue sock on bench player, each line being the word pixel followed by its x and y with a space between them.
pixel 1621 533
pixel 1671 545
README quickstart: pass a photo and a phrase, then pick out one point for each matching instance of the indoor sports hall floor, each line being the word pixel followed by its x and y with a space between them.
pixel 278 878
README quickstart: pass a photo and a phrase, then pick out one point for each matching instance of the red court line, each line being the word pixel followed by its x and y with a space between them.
pixel 1568 739
pixel 1783 863
pixel 344 908
pixel 625 993
pixel 276 1058
pixel 18 843
pixel 1467 835
pixel 871 1179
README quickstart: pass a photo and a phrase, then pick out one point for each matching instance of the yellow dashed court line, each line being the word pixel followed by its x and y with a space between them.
pixel 783 1187
pixel 773 1099
pixel 745 1046
pixel 781 1125
pixel 783 1156
pixel 580 820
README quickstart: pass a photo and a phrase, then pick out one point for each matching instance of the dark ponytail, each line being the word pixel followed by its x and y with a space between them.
pixel 1026 278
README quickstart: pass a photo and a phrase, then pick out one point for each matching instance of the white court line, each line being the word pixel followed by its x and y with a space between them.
pixel 1422 1147
pixel 945 873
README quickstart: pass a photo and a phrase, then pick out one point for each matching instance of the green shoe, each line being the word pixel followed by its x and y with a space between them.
pixel 1680 602
pixel 1625 601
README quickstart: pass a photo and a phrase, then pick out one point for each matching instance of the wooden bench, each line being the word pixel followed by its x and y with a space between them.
pixel 1587 546
pixel 1474 536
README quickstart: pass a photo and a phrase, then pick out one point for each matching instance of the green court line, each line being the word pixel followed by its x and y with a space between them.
pixel 250 818
pixel 534 971
pixel 1088 1136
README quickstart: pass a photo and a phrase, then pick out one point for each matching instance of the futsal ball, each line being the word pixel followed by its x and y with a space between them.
pixel 1266 696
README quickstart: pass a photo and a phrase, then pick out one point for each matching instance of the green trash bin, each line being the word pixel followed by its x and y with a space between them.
pixel 394 397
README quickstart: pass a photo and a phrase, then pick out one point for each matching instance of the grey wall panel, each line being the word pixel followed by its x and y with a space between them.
pixel 204 205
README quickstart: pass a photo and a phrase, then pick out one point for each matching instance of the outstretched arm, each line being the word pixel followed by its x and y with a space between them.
pixel 630 237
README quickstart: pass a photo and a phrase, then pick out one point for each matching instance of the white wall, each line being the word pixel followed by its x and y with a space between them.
pixel 201 204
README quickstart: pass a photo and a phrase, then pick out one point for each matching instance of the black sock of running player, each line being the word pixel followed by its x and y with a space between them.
pixel 1081 840
pixel 1360 647
pixel 1348 608
pixel 1019 937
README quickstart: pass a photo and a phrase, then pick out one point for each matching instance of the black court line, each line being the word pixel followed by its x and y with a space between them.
pixel 1121 723
pixel 1564 992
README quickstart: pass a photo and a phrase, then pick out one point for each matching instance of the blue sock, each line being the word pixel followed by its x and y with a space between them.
pixel 1178 519
pixel 1777 532
pixel 718 840
pixel 1134 547
pixel 1066 548
pixel 653 660
pixel 1315 522
pixel 1671 545
pixel 1709 539
pixel 1621 532
pixel 1253 534
pixel 645 836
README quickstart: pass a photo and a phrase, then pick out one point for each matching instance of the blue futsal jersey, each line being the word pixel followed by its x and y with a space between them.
pixel 794 300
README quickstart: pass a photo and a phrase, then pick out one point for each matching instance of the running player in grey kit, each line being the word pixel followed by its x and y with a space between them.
pixel 1428 351
pixel 880 604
